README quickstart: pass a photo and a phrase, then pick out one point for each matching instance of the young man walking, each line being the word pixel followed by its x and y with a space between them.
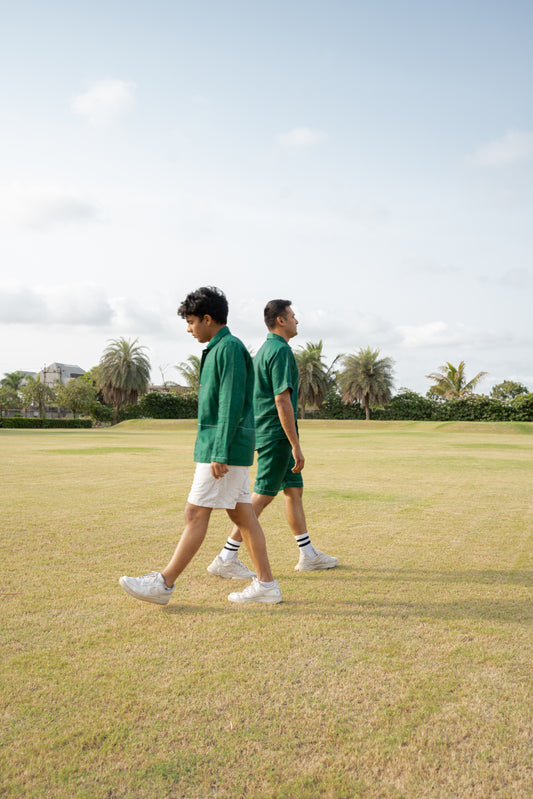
pixel 280 458
pixel 223 452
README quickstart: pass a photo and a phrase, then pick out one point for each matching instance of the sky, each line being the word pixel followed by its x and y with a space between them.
pixel 370 162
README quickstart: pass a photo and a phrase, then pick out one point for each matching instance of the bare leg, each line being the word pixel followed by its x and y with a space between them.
pixel 259 503
pixel 196 522
pixel 252 533
pixel 294 509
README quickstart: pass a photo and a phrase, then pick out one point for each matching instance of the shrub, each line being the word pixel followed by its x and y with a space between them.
pixel 409 405
pixel 522 408
pixel 162 406
pixel 20 421
pixel 101 412
pixel 334 408
pixel 474 408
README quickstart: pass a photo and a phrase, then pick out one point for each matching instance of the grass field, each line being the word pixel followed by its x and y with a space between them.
pixel 405 672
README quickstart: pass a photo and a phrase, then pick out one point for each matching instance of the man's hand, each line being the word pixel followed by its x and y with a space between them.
pixel 299 459
pixel 219 469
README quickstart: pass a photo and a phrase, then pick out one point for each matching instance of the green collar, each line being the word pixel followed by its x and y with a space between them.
pixel 275 336
pixel 224 331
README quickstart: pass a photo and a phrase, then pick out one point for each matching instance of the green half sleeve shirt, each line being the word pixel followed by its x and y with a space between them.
pixel 276 371
pixel 225 403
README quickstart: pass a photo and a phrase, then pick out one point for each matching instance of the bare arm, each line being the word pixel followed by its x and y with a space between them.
pixel 286 417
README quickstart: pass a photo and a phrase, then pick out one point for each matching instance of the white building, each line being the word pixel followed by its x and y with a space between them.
pixel 58 373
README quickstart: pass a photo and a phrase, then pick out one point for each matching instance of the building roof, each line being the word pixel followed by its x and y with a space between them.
pixel 64 367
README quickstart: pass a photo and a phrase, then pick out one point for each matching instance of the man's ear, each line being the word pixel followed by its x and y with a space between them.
pixel 207 318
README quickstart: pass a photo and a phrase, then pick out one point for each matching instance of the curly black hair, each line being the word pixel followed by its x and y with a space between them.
pixel 205 300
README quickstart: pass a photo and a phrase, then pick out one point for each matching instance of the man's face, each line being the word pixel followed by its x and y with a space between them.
pixel 200 329
pixel 291 323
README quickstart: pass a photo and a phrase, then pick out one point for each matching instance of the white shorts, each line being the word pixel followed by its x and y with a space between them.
pixel 208 492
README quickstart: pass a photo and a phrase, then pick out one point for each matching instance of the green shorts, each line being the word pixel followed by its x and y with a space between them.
pixel 274 464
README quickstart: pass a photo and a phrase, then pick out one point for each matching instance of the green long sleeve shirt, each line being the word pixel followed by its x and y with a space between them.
pixel 225 403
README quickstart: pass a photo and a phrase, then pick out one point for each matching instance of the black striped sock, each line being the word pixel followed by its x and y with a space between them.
pixel 304 542
pixel 231 548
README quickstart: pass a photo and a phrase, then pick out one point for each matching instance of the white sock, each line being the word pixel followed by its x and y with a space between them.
pixel 230 551
pixel 305 545
pixel 266 585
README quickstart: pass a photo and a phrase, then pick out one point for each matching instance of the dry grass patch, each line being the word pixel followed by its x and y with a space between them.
pixel 405 672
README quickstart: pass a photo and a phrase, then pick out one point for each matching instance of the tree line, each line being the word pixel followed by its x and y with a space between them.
pixel 121 377
pixel 357 385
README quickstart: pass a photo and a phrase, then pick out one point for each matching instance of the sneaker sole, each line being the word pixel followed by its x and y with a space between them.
pixel 320 567
pixel 154 600
pixel 263 600
pixel 231 576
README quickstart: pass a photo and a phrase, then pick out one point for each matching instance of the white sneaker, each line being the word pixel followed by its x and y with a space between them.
pixel 148 587
pixel 256 592
pixel 320 561
pixel 234 569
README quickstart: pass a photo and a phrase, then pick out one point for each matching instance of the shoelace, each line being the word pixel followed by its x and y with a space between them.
pixel 149 578
pixel 251 588
pixel 239 566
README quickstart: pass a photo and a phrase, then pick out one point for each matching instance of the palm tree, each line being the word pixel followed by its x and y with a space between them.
pixel 13 381
pixel 123 373
pixel 10 386
pixel 314 378
pixel 450 381
pixel 366 378
pixel 190 370
pixel 8 399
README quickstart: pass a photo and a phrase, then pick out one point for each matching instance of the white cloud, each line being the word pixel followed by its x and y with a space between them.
pixel 248 315
pixel 357 328
pixel 427 265
pixel 514 147
pixel 61 305
pixel 45 206
pixel 432 334
pixel 132 319
pixel 517 278
pixel 21 305
pixel 105 101
pixel 440 334
pixel 299 138
pixel 78 306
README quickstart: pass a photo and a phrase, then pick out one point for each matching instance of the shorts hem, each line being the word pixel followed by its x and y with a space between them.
pixel 212 507
pixel 219 494
pixel 265 493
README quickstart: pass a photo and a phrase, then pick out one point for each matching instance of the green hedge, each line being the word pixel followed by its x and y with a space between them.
pixel 21 421
pixel 408 405
pixel 412 406
pixel 522 408
pixel 473 409
pixel 162 406
pixel 334 408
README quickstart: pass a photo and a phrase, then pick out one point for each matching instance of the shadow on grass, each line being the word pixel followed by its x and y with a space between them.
pixel 479 608
pixel 381 584
pixel 484 576
pixel 476 609
pixel 180 609
pixel 195 610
